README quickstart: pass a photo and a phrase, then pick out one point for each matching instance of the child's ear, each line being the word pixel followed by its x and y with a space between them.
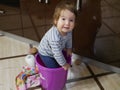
pixel 55 22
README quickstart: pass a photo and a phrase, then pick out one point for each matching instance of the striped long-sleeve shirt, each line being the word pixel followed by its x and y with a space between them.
pixel 53 43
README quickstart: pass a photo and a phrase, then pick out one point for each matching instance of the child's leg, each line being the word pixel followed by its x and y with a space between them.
pixel 49 61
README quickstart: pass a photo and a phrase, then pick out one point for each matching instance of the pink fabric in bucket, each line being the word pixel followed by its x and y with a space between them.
pixel 51 78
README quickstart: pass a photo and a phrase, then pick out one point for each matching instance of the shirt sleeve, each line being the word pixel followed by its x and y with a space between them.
pixel 57 51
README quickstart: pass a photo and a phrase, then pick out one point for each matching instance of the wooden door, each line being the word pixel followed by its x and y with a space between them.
pixel 87 24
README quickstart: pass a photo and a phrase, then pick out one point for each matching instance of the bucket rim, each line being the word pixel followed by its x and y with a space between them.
pixel 45 68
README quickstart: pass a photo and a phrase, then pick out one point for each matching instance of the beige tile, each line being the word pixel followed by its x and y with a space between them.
pixel 78 71
pixel 97 70
pixel 88 84
pixel 12 63
pixel 110 82
pixel 12 47
pixel 9 69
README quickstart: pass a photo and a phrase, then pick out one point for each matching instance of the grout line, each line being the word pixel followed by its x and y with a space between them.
pixel 12 29
pixel 101 65
pixel 94 77
pixel 4 15
pixel 35 29
pixel 111 17
pixel 20 38
pixel 111 61
pixel 112 6
pixel 106 36
pixel 89 77
pixel 103 74
pixel 21 17
pixel 109 27
pixel 28 27
pixel 13 57
pixel 78 79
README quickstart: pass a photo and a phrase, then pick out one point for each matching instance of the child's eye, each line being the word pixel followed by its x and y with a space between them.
pixel 71 20
pixel 63 18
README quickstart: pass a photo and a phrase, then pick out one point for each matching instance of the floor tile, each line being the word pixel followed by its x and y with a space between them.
pixel 38 20
pixel 9 10
pixel 26 21
pixel 32 26
pixel 103 3
pixel 109 12
pixel 18 32
pixel 30 33
pixel 97 70
pixel 88 84
pixel 114 24
pixel 9 69
pixel 103 31
pixel 107 48
pixel 41 31
pixel 110 82
pixel 12 47
pixel 113 2
pixel 10 22
pixel 78 71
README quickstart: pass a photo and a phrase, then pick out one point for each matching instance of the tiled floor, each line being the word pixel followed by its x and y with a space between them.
pixel 83 77
pixel 107 43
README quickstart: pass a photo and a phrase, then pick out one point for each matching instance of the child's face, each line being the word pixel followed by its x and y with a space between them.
pixel 66 22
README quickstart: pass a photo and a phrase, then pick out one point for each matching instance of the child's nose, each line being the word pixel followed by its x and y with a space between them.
pixel 67 23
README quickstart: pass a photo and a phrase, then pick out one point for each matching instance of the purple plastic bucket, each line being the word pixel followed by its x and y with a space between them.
pixel 51 78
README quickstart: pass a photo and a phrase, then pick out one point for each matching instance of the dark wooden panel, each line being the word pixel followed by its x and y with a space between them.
pixel 88 21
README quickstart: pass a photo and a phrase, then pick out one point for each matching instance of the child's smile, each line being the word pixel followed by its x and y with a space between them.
pixel 66 22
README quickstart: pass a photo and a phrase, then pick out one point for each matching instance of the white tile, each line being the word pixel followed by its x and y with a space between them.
pixel 12 47
pixel 110 82
pixel 78 71
pixel 88 84
pixel 9 69
pixel 97 70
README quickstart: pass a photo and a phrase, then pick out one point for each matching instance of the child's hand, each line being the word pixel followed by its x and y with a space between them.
pixel 66 66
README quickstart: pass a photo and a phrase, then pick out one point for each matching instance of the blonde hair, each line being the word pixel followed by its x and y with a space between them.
pixel 64 4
